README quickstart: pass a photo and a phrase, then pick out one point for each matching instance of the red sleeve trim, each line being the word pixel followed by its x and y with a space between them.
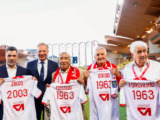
pixel 84 102
pixel 114 96
pixel 39 96
pixel 123 105
pixel 44 103
pixel 86 92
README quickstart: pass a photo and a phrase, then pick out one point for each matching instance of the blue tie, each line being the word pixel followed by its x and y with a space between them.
pixel 42 72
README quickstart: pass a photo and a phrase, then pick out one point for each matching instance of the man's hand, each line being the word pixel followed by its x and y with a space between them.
pixel 80 80
pixel 34 78
pixel 86 74
pixel 115 72
pixel 158 82
pixel 1 80
pixel 47 85
pixel 122 83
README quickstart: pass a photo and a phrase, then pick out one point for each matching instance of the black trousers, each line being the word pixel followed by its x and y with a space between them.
pixel 39 109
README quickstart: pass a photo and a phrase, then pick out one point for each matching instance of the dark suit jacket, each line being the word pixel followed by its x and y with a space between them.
pixel 4 74
pixel 20 71
pixel 33 70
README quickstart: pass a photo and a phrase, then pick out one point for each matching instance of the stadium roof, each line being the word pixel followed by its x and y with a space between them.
pixel 135 20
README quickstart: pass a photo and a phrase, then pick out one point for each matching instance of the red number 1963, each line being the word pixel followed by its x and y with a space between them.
pixel 143 94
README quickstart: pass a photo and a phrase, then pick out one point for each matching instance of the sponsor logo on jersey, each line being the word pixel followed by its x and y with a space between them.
pixel 18 107
pixel 65 109
pixel 144 111
pixel 114 84
pixel 104 96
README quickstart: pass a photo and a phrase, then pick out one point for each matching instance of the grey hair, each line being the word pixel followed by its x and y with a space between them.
pixel 64 53
pixel 43 44
pixel 100 48
pixel 135 44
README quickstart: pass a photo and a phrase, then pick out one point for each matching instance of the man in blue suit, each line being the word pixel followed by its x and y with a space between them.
pixel 42 69
pixel 10 69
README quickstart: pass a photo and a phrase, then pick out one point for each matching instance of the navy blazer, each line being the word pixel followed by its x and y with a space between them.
pixel 20 71
pixel 33 70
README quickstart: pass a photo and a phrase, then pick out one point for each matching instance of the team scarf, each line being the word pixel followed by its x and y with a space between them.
pixel 106 65
pixel 73 74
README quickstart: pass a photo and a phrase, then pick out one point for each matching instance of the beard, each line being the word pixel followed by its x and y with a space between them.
pixel 11 62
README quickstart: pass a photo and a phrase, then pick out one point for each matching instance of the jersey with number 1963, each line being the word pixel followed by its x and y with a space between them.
pixel 142 100
pixel 18 98
pixel 65 101
pixel 102 88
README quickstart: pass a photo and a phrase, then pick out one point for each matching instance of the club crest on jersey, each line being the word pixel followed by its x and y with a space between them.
pixel 114 84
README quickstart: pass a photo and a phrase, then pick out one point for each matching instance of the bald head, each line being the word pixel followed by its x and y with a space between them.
pixel 65 54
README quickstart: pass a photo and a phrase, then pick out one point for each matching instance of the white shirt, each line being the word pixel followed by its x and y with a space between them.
pixel 11 72
pixel 65 101
pixel 45 67
pixel 18 98
pixel 153 72
pixel 63 74
pixel 142 100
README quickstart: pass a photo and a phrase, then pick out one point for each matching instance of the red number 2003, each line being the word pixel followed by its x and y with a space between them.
pixel 17 93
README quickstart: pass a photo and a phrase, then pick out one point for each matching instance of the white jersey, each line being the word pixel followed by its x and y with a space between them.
pixel 65 101
pixel 142 100
pixel 103 91
pixel 18 98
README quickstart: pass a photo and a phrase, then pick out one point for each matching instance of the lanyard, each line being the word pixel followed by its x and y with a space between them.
pixel 61 78
pixel 141 77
